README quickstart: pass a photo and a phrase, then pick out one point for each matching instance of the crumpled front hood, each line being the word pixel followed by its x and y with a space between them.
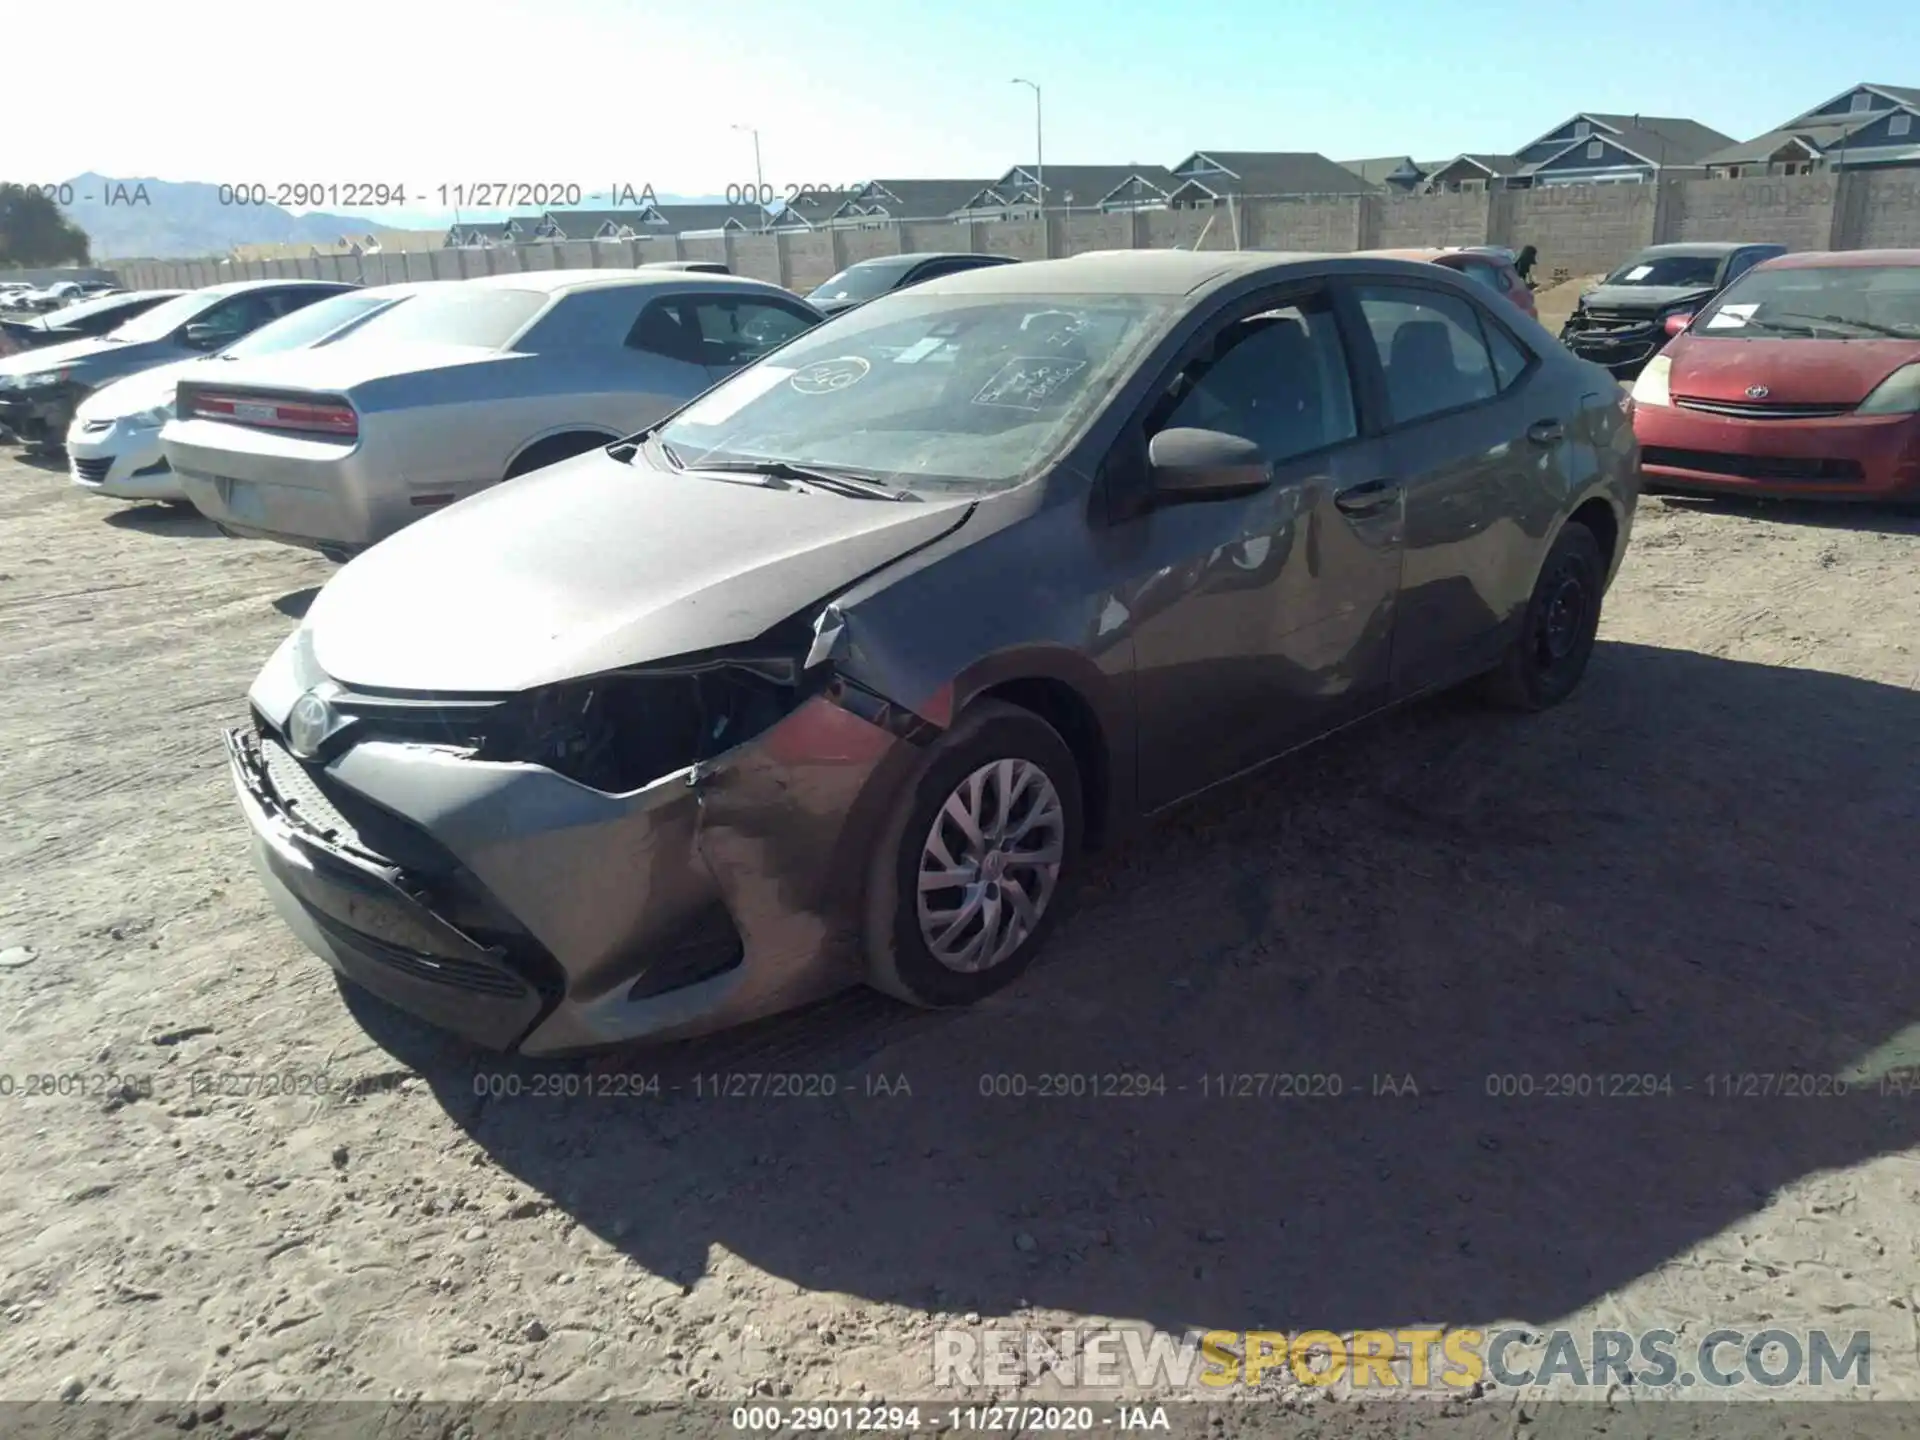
pixel 594 564
pixel 1643 299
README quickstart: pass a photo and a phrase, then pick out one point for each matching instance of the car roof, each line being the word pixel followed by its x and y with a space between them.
pixel 1436 253
pixel 1158 272
pixel 917 257
pixel 1827 259
pixel 1703 248
pixel 241 287
pixel 565 282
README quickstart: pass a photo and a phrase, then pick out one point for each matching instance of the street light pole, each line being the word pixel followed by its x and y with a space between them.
pixel 1039 147
pixel 759 179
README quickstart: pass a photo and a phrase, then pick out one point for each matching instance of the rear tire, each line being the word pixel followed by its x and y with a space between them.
pixel 1006 774
pixel 552 450
pixel 1548 657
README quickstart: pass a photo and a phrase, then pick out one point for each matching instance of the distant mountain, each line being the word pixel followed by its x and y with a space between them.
pixel 145 218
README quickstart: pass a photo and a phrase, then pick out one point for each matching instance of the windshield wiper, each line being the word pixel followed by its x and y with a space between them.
pixel 1872 327
pixel 840 481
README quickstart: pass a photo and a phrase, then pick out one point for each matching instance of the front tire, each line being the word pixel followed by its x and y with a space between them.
pixel 1550 654
pixel 970 875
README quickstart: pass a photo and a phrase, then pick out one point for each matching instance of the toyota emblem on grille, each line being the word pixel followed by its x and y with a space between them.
pixel 1758 392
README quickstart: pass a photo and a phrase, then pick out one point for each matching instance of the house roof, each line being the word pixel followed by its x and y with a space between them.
pixel 912 199
pixel 1893 94
pixel 678 219
pixel 1082 184
pixel 585 224
pixel 1494 165
pixel 1657 139
pixel 1828 133
pixel 1274 172
pixel 1379 170
pixel 813 208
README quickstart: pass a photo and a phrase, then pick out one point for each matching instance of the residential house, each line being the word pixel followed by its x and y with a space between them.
pixel 880 202
pixel 702 219
pixel 1016 194
pixel 1591 148
pixel 1211 177
pixel 1389 172
pixel 812 210
pixel 595 224
pixel 1869 126
pixel 1473 172
pixel 471 235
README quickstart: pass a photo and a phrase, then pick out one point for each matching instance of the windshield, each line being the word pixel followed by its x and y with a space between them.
pixel 164 319
pixel 309 324
pixel 936 389
pixel 453 314
pixel 859 282
pixel 103 305
pixel 1674 270
pixel 1839 302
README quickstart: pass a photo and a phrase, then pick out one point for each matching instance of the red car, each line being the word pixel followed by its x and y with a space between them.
pixel 1801 379
pixel 1491 268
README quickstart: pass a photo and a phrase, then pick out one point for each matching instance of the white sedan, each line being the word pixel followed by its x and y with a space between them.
pixel 113 445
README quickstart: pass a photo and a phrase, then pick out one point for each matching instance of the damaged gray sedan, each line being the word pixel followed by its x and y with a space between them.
pixel 836 673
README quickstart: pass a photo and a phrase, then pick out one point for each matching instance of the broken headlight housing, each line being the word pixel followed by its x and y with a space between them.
pixel 626 729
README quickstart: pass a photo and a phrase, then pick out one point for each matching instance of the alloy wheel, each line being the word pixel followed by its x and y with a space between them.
pixel 990 864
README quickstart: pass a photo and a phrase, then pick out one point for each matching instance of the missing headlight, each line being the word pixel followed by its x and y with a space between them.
pixel 620 731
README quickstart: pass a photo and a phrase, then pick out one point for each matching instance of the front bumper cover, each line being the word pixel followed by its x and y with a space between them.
pixel 536 914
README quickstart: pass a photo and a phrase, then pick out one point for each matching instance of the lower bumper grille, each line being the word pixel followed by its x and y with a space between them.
pixel 1786 469
pixel 92 471
pixel 454 973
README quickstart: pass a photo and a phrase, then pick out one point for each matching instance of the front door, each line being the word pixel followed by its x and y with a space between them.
pixel 1261 620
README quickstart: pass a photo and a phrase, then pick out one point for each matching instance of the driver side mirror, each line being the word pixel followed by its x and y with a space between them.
pixel 1193 464
pixel 1676 323
pixel 201 335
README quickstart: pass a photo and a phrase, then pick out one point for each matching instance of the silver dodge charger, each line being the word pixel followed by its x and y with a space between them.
pixel 474 382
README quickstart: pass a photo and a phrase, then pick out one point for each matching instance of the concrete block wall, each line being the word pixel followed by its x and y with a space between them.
pixel 1397 222
pixel 1314 226
pixel 1581 229
pixel 1792 210
pixel 1888 215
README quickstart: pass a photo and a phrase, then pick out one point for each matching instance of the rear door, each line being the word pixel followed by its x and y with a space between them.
pixel 1470 433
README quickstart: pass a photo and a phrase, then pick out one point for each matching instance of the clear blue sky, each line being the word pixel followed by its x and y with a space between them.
pixel 427 92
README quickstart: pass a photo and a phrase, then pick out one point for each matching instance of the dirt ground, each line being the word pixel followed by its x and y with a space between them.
pixel 1700 867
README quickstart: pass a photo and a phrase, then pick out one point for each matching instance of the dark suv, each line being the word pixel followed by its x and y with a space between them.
pixel 1626 319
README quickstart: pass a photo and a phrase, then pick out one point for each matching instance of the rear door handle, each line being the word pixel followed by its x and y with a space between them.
pixel 1368 498
pixel 1546 432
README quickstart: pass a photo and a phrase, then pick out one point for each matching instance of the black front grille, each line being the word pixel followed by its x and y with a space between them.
pixel 1761 409
pixel 1601 325
pixel 445 970
pixel 1789 469
pixel 92 471
pixel 305 800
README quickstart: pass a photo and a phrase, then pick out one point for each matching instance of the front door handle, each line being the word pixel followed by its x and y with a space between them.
pixel 1546 432
pixel 1369 498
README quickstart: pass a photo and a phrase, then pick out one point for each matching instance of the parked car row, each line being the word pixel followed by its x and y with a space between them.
pixel 18 295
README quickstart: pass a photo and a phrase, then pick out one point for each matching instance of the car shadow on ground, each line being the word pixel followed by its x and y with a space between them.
pixel 1437 1020
pixel 1885 519
pixel 179 520
pixel 295 603
pixel 41 460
